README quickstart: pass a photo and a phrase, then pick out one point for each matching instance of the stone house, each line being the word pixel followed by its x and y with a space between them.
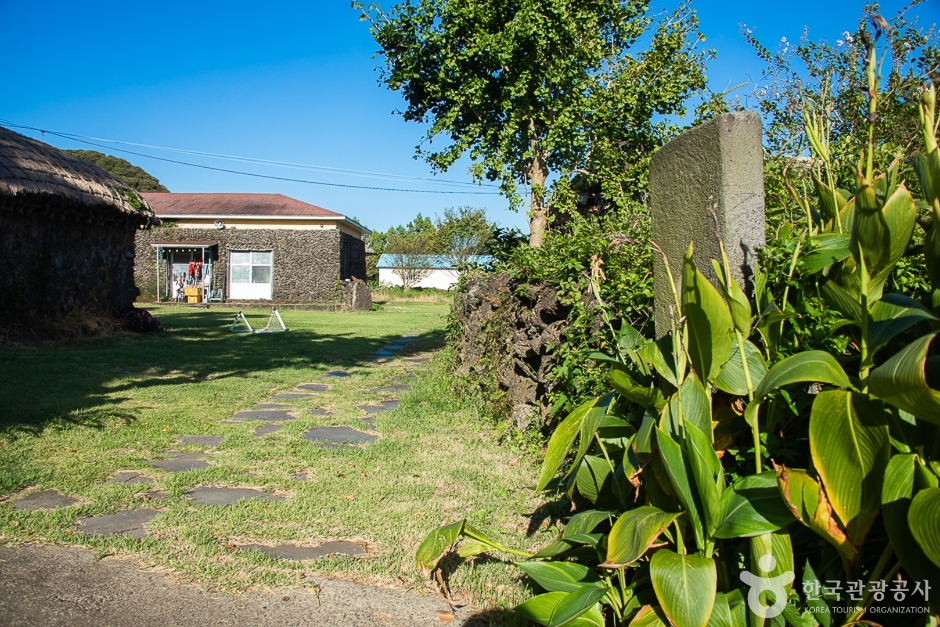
pixel 247 247
pixel 66 235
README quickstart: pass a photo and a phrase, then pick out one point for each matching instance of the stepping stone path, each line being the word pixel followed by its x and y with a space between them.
pixel 297 553
pixel 394 347
pixel 263 414
pixel 290 395
pixel 272 405
pixel 46 499
pixel 384 353
pixel 264 430
pixel 127 523
pixel 381 407
pixel 369 423
pixel 335 374
pixel 129 476
pixel 228 496
pixel 300 476
pixel 201 440
pixel 418 360
pixel 387 389
pixel 319 411
pixel 339 435
pixel 314 387
pixel 181 462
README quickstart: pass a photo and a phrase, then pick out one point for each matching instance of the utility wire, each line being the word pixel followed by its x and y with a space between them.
pixel 77 138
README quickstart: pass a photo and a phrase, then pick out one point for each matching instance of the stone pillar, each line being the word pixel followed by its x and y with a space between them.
pixel 716 169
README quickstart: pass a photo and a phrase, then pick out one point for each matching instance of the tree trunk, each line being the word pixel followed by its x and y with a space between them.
pixel 538 173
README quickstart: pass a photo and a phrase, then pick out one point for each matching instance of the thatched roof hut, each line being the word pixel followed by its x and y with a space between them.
pixel 66 235
pixel 35 175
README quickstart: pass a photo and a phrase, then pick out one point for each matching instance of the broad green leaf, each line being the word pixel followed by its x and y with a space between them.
pixel 721 613
pixel 842 300
pixel 592 420
pixel 556 548
pixel 576 603
pixel 585 522
pixel 738 304
pixel 909 380
pixel 685 586
pixel 752 506
pixel 539 609
pixel 924 520
pixel 808 502
pixel 707 473
pixel 471 548
pixel 849 443
pixel 778 545
pixel 594 479
pixel 650 616
pixel 561 441
pixel 894 314
pixel 694 406
pixel 805 367
pixel 643 442
pixel 633 534
pixel 883 234
pixel 817 604
pixel 436 543
pixel 738 607
pixel 830 201
pixel 709 321
pixel 824 250
pixel 899 485
pixel 645 397
pixel 659 353
pixel 731 378
pixel 676 470
pixel 559 576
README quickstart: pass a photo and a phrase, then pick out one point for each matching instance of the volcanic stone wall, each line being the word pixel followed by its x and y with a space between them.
pixel 53 263
pixel 307 263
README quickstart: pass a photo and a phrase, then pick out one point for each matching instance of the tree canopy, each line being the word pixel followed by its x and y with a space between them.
pixel 539 91
pixel 126 172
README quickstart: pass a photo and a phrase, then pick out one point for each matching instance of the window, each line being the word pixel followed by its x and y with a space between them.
pixel 250 272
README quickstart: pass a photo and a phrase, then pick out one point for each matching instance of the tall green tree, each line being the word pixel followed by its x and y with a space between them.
pixel 538 91
pixel 464 232
pixel 123 170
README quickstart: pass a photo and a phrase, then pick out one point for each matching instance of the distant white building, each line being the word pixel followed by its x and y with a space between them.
pixel 441 273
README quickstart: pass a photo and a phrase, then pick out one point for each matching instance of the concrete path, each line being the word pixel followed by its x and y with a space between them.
pixel 44 586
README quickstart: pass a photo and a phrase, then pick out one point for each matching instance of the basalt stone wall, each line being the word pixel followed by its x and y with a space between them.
pixel 353 253
pixel 55 263
pixel 307 263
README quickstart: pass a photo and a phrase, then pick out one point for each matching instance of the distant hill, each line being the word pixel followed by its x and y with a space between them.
pixel 124 171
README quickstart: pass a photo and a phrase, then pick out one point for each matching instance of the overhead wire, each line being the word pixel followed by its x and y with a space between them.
pixel 325 169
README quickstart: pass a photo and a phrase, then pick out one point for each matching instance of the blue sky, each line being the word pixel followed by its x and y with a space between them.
pixel 284 81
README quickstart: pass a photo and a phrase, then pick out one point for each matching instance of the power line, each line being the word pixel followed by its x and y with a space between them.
pixel 76 138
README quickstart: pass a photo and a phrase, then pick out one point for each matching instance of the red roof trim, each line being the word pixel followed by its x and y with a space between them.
pixel 233 205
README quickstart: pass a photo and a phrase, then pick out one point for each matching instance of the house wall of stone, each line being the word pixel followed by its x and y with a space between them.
pixel 307 264
pixel 56 262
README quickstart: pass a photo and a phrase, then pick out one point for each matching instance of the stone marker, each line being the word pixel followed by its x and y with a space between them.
pixel 127 523
pixel 272 405
pixel 319 411
pixel 129 476
pixel 314 387
pixel 264 414
pixel 716 166
pixel 339 435
pixel 264 430
pixel 290 395
pixel 334 374
pixel 293 552
pixel 46 499
pixel 228 496
pixel 201 440
pixel 388 389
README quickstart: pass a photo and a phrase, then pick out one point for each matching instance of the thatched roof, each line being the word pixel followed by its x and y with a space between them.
pixel 34 172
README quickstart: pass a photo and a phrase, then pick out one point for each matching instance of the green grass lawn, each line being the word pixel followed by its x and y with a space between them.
pixel 74 414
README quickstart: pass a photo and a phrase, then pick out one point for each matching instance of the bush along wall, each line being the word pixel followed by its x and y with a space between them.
pixel 522 333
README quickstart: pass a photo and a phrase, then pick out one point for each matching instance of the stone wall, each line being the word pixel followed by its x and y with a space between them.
pixel 55 263
pixel 307 263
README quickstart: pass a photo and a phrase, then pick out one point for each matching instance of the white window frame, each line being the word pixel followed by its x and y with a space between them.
pixel 250 290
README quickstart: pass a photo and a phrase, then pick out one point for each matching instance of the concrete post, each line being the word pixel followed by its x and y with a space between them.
pixel 713 169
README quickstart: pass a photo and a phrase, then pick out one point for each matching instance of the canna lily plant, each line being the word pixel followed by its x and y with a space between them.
pixel 687 508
